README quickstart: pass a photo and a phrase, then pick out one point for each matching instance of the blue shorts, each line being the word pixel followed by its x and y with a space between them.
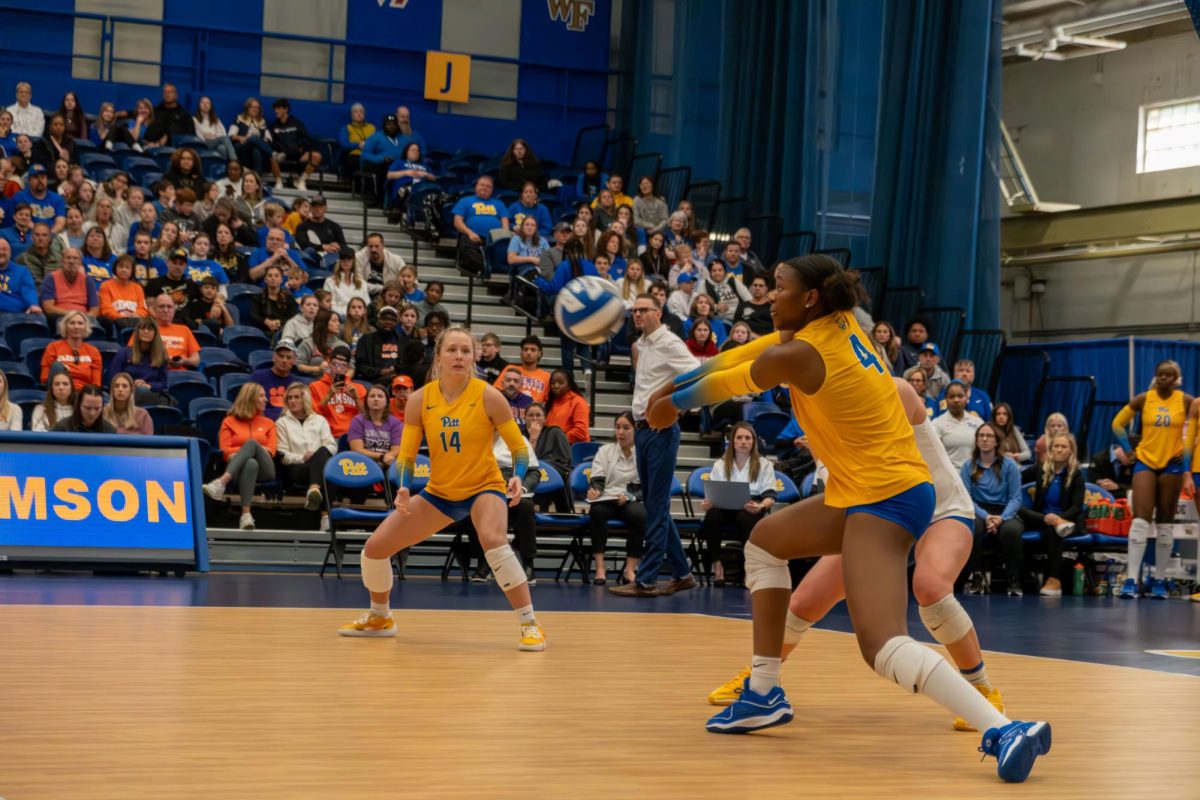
pixel 912 509
pixel 1174 467
pixel 457 510
pixel 969 524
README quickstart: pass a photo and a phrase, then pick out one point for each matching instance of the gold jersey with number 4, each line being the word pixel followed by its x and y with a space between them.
pixel 459 437
pixel 855 422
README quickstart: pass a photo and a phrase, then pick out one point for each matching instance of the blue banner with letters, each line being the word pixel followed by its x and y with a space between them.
pixel 101 499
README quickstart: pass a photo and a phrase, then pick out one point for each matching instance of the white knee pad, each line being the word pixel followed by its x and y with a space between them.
pixel 794 628
pixel 907 663
pixel 765 571
pixel 506 567
pixel 946 620
pixel 376 573
pixel 1139 531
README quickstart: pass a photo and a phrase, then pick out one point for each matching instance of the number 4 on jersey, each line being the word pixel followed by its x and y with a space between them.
pixel 865 356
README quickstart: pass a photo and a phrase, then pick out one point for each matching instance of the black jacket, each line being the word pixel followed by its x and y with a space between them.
pixel 72 425
pixel 514 176
pixel 291 137
pixel 553 448
pixel 377 351
pixel 314 234
pixel 1104 467
pixel 264 308
pixel 1072 501
pixel 177 121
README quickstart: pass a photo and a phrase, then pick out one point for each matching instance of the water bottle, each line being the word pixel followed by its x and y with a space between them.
pixel 1079 580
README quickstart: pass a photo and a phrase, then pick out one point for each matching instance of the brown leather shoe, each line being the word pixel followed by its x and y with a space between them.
pixel 679 585
pixel 634 589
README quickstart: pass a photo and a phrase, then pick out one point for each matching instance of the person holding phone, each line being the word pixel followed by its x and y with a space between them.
pixel 335 396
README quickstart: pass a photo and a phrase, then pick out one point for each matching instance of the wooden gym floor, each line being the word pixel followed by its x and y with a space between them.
pixel 224 702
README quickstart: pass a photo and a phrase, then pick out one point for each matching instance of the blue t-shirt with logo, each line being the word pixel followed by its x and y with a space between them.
pixel 201 268
pixel 45 210
pixel 481 216
pixel 98 269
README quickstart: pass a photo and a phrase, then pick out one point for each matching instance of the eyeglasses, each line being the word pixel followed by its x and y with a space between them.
pixel 642 310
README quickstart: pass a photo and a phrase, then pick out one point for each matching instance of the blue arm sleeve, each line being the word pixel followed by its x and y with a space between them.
pixel 344 138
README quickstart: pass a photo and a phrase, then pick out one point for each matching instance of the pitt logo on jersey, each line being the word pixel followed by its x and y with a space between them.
pixel 449 422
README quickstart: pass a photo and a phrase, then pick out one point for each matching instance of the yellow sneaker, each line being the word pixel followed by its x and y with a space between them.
pixel 993 697
pixel 369 624
pixel 1196 597
pixel 533 638
pixel 728 693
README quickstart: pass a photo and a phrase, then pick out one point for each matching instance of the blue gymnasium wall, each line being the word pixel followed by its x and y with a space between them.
pixel 215 48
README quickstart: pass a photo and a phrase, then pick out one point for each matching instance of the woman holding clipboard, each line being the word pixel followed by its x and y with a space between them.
pixel 613 488
pixel 741 463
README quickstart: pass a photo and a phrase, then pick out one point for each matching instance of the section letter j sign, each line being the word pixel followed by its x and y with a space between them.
pixel 447 77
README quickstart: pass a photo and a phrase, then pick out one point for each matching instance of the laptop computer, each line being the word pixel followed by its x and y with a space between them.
pixel 728 495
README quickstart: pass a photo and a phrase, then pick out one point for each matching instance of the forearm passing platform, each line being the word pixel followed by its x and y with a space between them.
pixel 717 387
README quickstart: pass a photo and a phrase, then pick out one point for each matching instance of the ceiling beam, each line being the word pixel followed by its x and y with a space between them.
pixel 1027 233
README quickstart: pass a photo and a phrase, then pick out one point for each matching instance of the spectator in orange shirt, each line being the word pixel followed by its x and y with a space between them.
pixel 534 382
pixel 71 354
pixel 248 442
pixel 335 396
pixel 122 299
pixel 567 408
pixel 183 351
pixel 402 387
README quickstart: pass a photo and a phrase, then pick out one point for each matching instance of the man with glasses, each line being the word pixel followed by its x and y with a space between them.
pixel 659 357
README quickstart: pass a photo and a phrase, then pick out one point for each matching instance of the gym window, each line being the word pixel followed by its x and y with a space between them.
pixel 1169 135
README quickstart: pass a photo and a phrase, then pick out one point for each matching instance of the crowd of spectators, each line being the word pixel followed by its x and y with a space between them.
pixel 158 270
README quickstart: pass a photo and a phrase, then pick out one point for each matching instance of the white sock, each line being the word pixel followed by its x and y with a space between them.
pixel 977 676
pixel 1139 531
pixel 764 674
pixel 1163 545
pixel 380 609
pixel 920 670
pixel 526 614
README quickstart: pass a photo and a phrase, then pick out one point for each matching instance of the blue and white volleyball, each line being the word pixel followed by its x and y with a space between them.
pixel 589 310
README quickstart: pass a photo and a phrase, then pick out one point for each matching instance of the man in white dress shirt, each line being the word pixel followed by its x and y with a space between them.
pixel 27 118
pixel 659 357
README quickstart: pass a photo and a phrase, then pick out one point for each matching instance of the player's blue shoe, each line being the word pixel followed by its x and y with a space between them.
pixel 1016 746
pixel 752 712
pixel 1128 589
pixel 1159 590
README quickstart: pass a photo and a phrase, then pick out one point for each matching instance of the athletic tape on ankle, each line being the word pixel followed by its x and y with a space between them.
pixel 1139 531
pixel 376 573
pixel 794 628
pixel 506 567
pixel 765 571
pixel 907 663
pixel 946 620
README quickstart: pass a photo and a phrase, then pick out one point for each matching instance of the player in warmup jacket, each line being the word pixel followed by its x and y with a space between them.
pixel 879 499
pixel 940 555
pixel 457 414
pixel 1159 465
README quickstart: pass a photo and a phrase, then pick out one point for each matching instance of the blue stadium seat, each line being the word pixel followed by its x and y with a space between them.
pixel 576 554
pixel 755 407
pixel 207 413
pixel 584 451
pixel 18 375
pixel 186 386
pixel 27 399
pixel 217 362
pixel 148 179
pixel 768 426
pixel 16 331
pixel 260 358
pixel 164 416
pixel 31 354
pixel 6 353
pixel 108 351
pixel 354 472
pixel 244 344
pixel 232 384
pixel 205 337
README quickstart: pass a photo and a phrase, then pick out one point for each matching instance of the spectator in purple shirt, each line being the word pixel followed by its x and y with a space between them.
pixel 375 432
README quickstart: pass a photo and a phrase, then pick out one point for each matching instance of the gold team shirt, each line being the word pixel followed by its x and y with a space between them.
pixel 1162 429
pixel 855 423
pixel 459 436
